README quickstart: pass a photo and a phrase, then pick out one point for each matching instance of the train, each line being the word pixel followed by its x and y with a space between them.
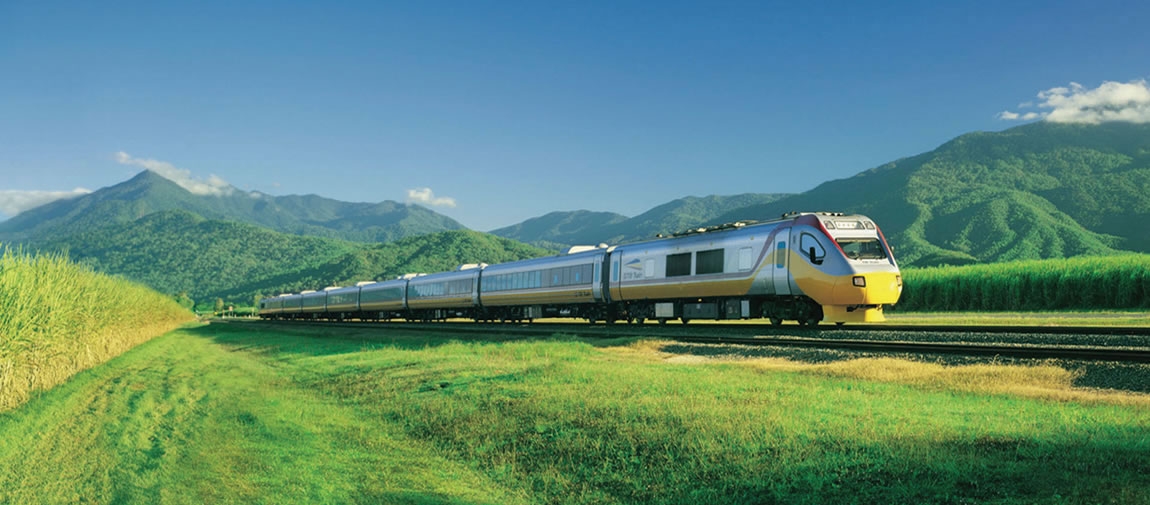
pixel 808 267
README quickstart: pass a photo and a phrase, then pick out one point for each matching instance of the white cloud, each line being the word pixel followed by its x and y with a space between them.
pixel 13 202
pixel 213 186
pixel 1110 101
pixel 426 197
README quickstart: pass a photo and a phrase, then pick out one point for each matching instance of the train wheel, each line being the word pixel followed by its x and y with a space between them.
pixel 776 321
pixel 811 322
pixel 686 320
pixel 662 320
pixel 639 320
pixel 590 320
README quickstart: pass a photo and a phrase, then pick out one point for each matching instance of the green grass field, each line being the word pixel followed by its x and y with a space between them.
pixel 237 413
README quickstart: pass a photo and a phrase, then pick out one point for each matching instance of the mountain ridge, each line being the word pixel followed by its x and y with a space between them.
pixel 149 192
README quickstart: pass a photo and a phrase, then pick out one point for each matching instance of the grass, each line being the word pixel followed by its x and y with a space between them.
pixel 57 318
pixel 232 413
pixel 1042 318
pixel 1080 283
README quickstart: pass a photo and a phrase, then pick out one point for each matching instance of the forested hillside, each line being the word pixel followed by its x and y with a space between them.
pixel 438 252
pixel 1036 191
pixel 560 229
pixel 177 251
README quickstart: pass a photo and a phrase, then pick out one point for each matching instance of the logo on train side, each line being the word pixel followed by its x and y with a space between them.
pixel 634 270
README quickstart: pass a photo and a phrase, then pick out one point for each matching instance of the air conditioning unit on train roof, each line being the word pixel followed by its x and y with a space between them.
pixel 471 266
pixel 575 249
pixel 363 283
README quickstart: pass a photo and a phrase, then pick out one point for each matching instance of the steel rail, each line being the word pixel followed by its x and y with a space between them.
pixel 684 334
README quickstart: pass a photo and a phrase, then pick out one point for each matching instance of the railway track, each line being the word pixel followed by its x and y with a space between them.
pixel 1020 343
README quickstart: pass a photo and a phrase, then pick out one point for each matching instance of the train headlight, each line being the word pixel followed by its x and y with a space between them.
pixel 859 281
pixel 898 279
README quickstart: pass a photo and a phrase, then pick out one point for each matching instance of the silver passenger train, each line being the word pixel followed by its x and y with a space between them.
pixel 806 267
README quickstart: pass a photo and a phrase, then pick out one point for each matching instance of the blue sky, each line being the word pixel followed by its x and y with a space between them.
pixel 511 110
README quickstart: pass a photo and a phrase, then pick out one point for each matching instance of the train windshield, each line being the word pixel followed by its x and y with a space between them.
pixel 862 248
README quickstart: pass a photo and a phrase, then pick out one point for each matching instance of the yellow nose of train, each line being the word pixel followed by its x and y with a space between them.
pixel 860 297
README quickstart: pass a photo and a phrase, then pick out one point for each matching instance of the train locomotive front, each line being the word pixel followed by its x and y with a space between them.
pixel 806 267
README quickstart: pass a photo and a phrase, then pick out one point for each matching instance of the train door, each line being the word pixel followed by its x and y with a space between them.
pixel 599 290
pixel 611 278
pixel 779 267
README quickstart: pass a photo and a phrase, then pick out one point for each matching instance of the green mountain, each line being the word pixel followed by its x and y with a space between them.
pixel 149 192
pixel 176 251
pixel 1042 190
pixel 561 229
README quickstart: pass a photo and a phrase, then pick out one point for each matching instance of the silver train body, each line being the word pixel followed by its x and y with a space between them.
pixel 807 267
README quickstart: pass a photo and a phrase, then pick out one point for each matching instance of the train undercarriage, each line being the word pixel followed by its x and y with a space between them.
pixel 776 309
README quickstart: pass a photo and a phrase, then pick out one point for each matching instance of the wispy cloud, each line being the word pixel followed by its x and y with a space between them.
pixel 13 202
pixel 213 186
pixel 426 197
pixel 1110 101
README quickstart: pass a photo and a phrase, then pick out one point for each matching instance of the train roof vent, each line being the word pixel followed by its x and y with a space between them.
pixel 284 294
pixel 410 276
pixel 709 229
pixel 575 249
pixel 471 266
pixel 307 291
pixel 330 288
pixel 363 283
pixel 795 213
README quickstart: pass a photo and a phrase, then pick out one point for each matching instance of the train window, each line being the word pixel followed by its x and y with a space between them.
pixel 615 271
pixel 565 280
pixel 678 264
pixel 746 260
pixel 649 268
pixel 807 243
pixel 709 262
pixel 781 255
pixel 862 248
pixel 576 275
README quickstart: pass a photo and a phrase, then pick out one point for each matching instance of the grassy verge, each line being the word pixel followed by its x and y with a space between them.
pixel 1082 283
pixel 251 414
pixel 57 318
pixel 1068 318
